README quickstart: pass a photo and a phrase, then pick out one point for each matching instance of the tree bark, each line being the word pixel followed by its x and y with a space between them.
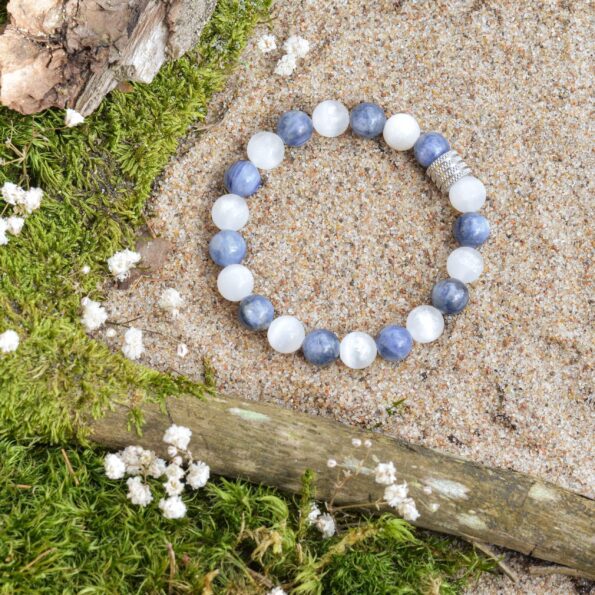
pixel 71 53
pixel 267 444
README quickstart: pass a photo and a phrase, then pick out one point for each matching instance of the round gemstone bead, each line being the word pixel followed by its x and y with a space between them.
pixel 357 350
pixel 428 147
pixel 471 229
pixel 425 323
pixel 330 118
pixel 401 132
pixel 230 211
pixel 321 347
pixel 242 178
pixel 227 247
pixel 266 150
pixel 235 282
pixel 286 334
pixel 295 128
pixel 450 296
pixel 467 194
pixel 256 312
pixel 465 264
pixel 367 120
pixel 394 343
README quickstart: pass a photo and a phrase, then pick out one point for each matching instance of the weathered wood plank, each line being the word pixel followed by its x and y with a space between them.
pixel 268 444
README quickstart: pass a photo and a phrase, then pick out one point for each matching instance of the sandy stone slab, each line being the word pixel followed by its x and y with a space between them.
pixel 349 235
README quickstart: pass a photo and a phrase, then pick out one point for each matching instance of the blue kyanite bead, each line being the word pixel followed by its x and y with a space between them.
pixel 450 296
pixel 242 178
pixel 295 128
pixel 394 343
pixel 227 247
pixel 367 120
pixel 321 347
pixel 471 229
pixel 429 147
pixel 256 312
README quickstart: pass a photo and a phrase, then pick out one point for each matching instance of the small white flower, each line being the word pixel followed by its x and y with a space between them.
pixel 131 456
pixel 157 468
pixel 12 194
pixel 173 507
pixel 297 46
pixel 9 341
pixel 313 514
pixel 331 463
pixel 182 350
pixel 368 443
pixel 198 475
pixel 3 230
pixel 31 199
pixel 395 494
pixel 286 65
pixel 14 225
pixel 277 591
pixel 177 461
pixel 115 467
pixel 325 523
pixel 178 436
pixel 73 118
pixel 133 346
pixel 174 471
pixel 138 492
pixel 356 442
pixel 86 269
pixel 172 451
pixel 385 473
pixel 267 43
pixel 110 333
pixel 94 314
pixel 122 262
pixel 408 510
pixel 173 487
pixel 434 506
pixel 171 301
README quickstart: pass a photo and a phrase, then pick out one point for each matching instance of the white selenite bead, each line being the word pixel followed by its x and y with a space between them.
pixel 266 150
pixel 330 118
pixel 230 211
pixel 286 334
pixel 465 264
pixel 357 350
pixel 425 323
pixel 235 282
pixel 467 195
pixel 401 131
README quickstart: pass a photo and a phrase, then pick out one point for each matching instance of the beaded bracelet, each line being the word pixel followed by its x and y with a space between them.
pixel 286 334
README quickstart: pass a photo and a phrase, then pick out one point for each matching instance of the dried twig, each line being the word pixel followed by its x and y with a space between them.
pixel 549 570
pixel 69 466
pixel 38 558
pixel 172 568
pixel 490 553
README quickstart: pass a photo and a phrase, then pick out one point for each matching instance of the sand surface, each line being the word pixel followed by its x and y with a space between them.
pixel 350 235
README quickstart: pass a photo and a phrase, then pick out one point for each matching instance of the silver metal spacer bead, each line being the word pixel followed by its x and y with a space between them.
pixel 447 169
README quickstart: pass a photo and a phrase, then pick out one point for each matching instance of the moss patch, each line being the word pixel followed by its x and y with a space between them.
pixel 97 178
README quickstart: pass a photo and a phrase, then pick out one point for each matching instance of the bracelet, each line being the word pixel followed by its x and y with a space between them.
pixel 286 334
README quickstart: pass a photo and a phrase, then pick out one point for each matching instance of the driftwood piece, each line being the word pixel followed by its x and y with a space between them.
pixel 272 445
pixel 71 53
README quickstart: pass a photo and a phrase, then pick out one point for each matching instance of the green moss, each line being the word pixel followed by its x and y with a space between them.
pixel 60 537
pixel 97 178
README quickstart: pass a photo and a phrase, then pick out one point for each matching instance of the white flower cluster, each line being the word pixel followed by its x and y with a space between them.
pixel 94 314
pixel 325 523
pixel 133 346
pixel 395 495
pixel 267 43
pixel 171 301
pixel 140 464
pixel 295 47
pixel 277 591
pixel 24 203
pixel 121 263
pixel 9 341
